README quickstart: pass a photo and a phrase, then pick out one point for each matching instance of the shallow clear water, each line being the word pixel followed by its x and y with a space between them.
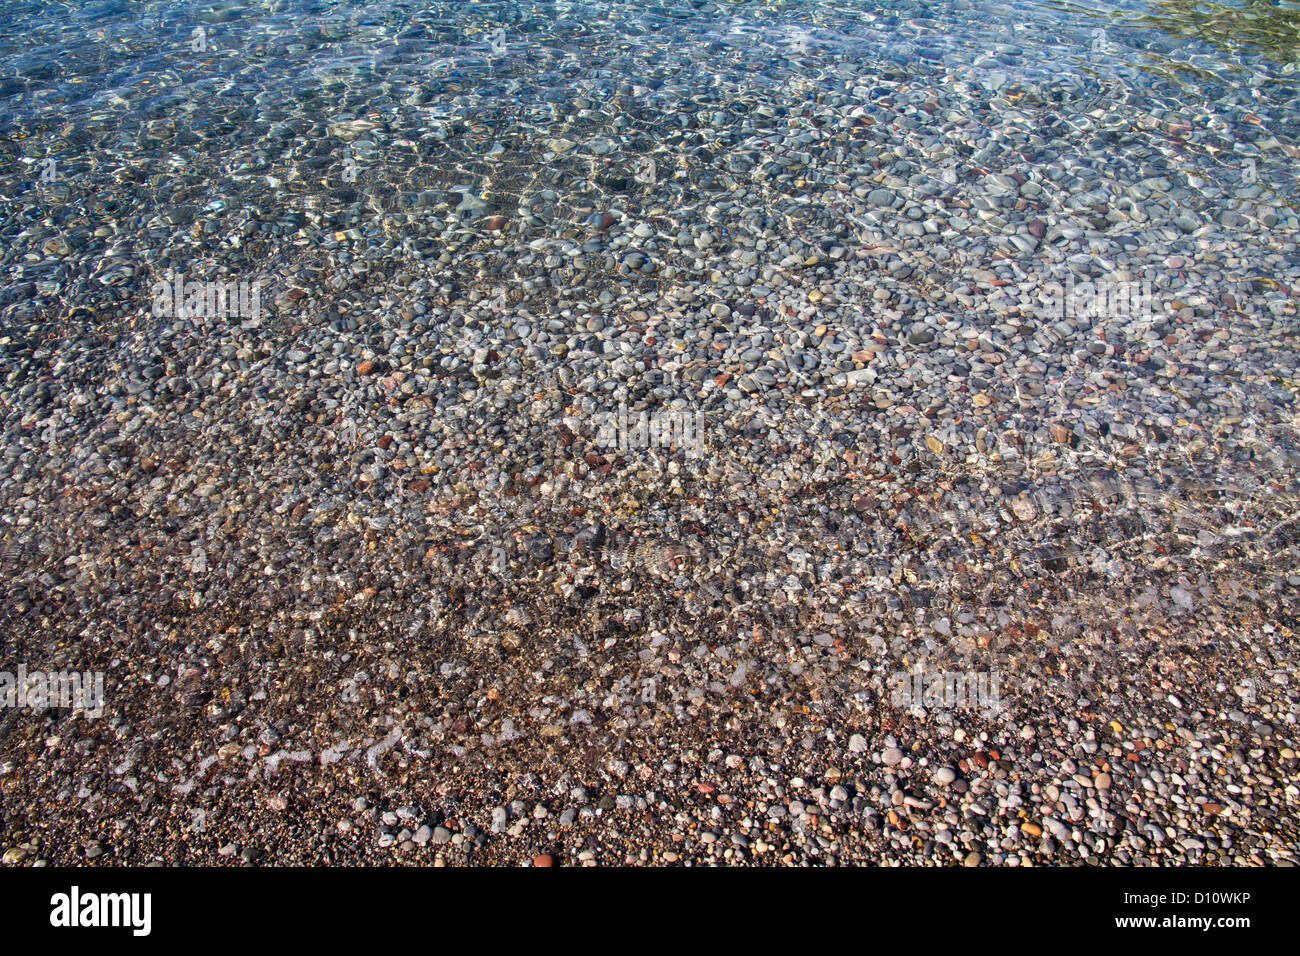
pixel 825 239
pixel 116 65
pixel 61 57
pixel 130 110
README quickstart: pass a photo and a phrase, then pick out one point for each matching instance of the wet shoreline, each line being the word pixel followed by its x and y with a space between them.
pixel 609 414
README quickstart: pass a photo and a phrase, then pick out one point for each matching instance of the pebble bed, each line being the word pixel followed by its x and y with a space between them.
pixel 368 586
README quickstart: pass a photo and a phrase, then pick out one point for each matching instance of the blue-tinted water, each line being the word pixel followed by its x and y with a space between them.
pixel 182 122
pixel 73 61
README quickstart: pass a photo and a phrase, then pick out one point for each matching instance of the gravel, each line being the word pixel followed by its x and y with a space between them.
pixel 945 575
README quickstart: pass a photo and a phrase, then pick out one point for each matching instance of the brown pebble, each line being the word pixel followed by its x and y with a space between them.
pixel 544 859
pixel 495 223
pixel 365 368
